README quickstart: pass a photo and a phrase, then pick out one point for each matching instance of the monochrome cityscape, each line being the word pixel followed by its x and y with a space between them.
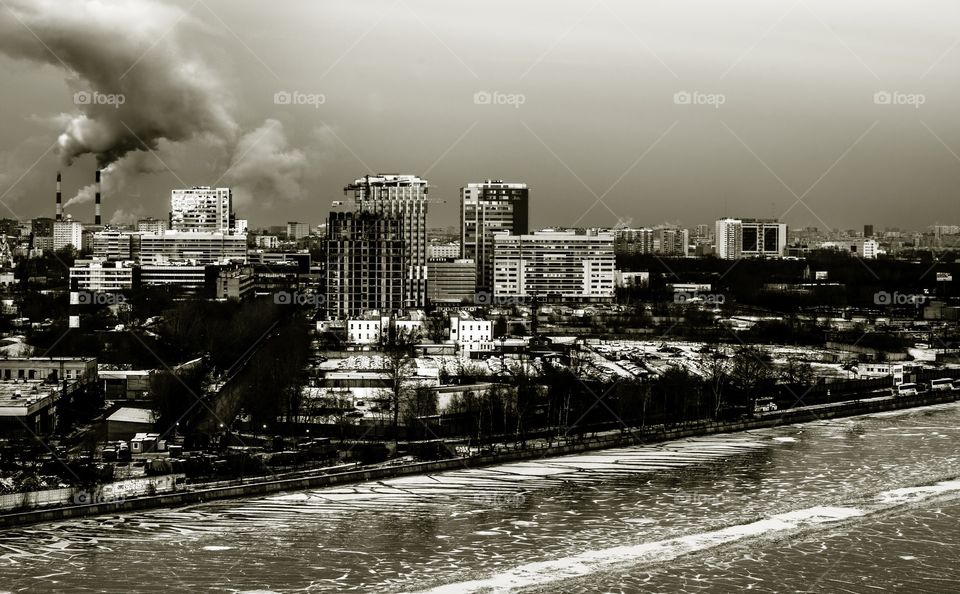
pixel 234 357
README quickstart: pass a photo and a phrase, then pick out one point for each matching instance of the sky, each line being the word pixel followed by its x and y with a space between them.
pixel 614 112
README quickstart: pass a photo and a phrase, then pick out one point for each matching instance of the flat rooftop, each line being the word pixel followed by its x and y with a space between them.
pixel 18 398
pixel 129 414
pixel 120 374
pixel 41 359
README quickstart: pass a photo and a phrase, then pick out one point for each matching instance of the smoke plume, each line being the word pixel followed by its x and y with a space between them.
pixel 264 166
pixel 134 83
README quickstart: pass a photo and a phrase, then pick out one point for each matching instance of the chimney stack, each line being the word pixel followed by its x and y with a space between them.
pixel 59 200
pixel 96 218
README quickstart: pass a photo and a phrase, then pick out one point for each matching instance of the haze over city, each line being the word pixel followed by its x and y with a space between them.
pixel 594 116
pixel 433 296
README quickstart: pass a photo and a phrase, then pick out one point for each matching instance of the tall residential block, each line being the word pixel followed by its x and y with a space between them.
pixel 402 197
pixel 750 238
pixel 67 233
pixel 201 208
pixel 365 264
pixel 729 238
pixel 487 208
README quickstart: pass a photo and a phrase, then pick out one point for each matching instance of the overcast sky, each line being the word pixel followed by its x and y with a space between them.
pixel 777 112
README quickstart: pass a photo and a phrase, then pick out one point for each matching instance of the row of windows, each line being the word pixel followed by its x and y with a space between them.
pixel 35 374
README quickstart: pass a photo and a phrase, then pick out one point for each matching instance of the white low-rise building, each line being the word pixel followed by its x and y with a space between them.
pixel 103 275
pixel 366 331
pixel 375 330
pixel 861 247
pixel 470 334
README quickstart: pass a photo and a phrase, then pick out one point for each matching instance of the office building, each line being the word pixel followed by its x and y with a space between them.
pixel 198 247
pixel 633 242
pixel 67 233
pixel 42 226
pixel 270 242
pixel 297 230
pixel 860 247
pixel 365 264
pixel 42 243
pixel 116 245
pixel 402 197
pixel 452 280
pixel 702 233
pixel 671 241
pixel 201 209
pixel 104 275
pixel 763 238
pixel 151 225
pixel 231 282
pixel 750 238
pixel 186 275
pixel 554 265
pixel 443 250
pixel 487 208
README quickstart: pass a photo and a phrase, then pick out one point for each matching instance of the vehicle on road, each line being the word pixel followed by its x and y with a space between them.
pixel 764 405
pixel 908 389
pixel 941 385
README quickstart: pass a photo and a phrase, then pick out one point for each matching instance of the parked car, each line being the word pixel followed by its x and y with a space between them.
pixel 764 405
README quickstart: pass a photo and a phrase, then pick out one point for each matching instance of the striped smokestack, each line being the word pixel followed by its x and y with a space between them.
pixel 59 200
pixel 96 202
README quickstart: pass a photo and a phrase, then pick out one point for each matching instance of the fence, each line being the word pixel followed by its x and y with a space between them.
pixel 115 491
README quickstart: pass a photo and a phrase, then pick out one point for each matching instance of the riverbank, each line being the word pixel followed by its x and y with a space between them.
pixel 200 494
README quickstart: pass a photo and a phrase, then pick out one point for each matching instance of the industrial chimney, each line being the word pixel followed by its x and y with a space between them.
pixel 59 200
pixel 96 217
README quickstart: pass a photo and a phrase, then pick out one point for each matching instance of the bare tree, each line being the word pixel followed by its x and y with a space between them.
pixel 751 372
pixel 399 367
pixel 419 401
pixel 716 376
pixel 796 372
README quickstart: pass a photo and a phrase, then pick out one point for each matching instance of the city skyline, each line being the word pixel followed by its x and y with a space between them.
pixel 629 223
pixel 423 296
pixel 701 130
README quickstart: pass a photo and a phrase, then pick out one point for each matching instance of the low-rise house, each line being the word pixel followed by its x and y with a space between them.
pixel 126 422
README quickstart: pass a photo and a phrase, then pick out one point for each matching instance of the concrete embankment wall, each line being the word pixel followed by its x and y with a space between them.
pixel 122 489
pixel 617 439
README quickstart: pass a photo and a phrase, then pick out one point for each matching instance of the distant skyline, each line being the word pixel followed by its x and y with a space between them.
pixel 816 113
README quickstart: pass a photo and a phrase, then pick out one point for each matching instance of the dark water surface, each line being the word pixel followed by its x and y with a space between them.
pixel 864 504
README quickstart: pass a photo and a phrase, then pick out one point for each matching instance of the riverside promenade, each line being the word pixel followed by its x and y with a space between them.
pixel 199 493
